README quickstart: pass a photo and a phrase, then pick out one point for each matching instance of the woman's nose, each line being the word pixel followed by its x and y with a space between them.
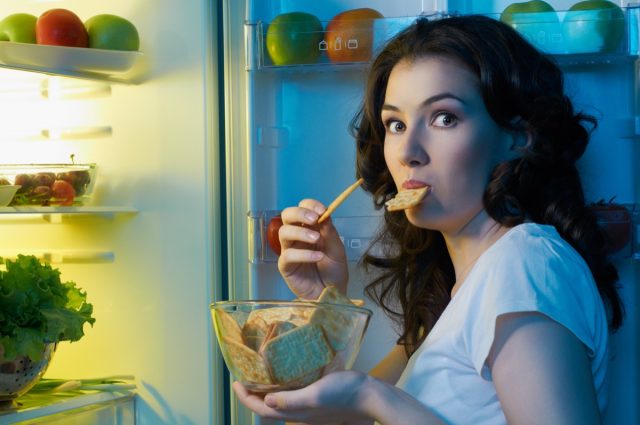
pixel 412 152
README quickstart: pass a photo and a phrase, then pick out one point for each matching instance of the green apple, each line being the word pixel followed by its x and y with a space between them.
pixel 593 26
pixel 294 38
pixel 112 32
pixel 18 28
pixel 537 21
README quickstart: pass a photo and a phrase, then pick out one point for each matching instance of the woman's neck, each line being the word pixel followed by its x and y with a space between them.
pixel 468 244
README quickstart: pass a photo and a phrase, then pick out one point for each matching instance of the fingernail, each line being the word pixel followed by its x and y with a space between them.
pixel 317 255
pixel 313 236
pixel 271 401
pixel 319 209
pixel 311 217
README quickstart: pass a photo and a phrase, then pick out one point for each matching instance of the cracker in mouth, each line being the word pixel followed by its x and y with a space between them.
pixel 407 198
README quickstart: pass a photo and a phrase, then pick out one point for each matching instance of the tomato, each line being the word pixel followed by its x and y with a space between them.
pixel 349 35
pixel 63 193
pixel 273 239
pixel 615 219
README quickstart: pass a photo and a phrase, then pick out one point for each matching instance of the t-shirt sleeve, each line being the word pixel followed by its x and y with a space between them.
pixel 534 275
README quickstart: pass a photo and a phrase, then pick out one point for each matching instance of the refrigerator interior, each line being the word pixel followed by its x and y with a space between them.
pixel 287 139
pixel 151 271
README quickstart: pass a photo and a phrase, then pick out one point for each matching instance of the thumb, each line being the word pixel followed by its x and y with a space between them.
pixel 290 400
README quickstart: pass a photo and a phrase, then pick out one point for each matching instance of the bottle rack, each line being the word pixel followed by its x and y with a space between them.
pixel 357 233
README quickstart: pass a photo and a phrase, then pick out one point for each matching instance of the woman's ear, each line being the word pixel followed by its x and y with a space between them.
pixel 521 136
pixel 521 140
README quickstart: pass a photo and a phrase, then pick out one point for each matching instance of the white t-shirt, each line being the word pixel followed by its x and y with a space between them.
pixel 530 268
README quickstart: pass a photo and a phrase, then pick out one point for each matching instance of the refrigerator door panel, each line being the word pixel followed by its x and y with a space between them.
pixel 288 139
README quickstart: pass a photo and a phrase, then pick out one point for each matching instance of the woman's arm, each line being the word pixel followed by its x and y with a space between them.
pixel 390 368
pixel 542 372
pixel 350 396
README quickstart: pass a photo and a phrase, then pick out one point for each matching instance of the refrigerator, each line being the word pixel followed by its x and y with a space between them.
pixel 198 145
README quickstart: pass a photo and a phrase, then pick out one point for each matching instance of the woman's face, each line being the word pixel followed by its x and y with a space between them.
pixel 439 133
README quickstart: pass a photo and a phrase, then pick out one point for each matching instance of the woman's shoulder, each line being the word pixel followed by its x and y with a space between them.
pixel 531 243
pixel 534 257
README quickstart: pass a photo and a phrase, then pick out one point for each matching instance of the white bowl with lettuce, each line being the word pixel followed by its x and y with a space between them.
pixel 37 311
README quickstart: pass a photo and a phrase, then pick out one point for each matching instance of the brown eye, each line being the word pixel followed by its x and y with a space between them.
pixel 395 126
pixel 444 119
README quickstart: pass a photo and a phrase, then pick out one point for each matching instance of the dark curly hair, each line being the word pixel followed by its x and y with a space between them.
pixel 523 92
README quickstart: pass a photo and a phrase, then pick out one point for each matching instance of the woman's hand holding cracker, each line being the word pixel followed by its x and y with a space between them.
pixel 313 255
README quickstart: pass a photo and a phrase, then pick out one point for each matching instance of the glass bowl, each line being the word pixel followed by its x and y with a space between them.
pixel 19 375
pixel 50 184
pixel 285 345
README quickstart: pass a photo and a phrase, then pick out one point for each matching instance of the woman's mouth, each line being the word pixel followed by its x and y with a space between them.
pixel 413 184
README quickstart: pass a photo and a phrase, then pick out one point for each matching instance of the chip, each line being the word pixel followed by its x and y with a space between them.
pixel 407 198
pixel 297 353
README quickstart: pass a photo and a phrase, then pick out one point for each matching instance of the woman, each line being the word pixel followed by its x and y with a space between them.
pixel 498 277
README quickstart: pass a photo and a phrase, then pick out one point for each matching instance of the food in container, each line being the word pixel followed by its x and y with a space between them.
pixel 49 184
pixel 277 345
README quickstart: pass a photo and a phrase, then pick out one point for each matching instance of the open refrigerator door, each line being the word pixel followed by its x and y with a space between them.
pixel 145 245
pixel 290 96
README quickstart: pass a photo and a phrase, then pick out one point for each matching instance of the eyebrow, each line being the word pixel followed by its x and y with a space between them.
pixel 426 102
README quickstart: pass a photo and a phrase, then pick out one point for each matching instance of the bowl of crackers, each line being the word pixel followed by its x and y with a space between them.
pixel 285 345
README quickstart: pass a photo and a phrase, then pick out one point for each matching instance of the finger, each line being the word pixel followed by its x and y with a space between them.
pixel 313 205
pixel 257 404
pixel 290 400
pixel 298 256
pixel 290 234
pixel 299 215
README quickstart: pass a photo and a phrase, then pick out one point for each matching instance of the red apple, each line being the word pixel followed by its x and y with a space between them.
pixel 61 27
pixel 349 35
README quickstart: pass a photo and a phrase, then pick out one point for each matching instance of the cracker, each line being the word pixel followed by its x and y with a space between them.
pixel 247 364
pixel 337 325
pixel 297 353
pixel 407 198
pixel 228 326
pixel 254 331
pixel 275 329
pixel 296 315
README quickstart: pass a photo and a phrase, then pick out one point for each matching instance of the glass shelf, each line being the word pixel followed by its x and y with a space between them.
pixel 116 408
pixel 56 214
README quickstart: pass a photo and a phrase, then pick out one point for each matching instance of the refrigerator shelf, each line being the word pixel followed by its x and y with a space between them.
pixel 571 37
pixel 116 408
pixel 55 214
pixel 95 64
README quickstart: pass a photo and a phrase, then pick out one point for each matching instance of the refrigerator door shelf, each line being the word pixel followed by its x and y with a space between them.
pixel 573 38
pixel 621 223
pixel 355 232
